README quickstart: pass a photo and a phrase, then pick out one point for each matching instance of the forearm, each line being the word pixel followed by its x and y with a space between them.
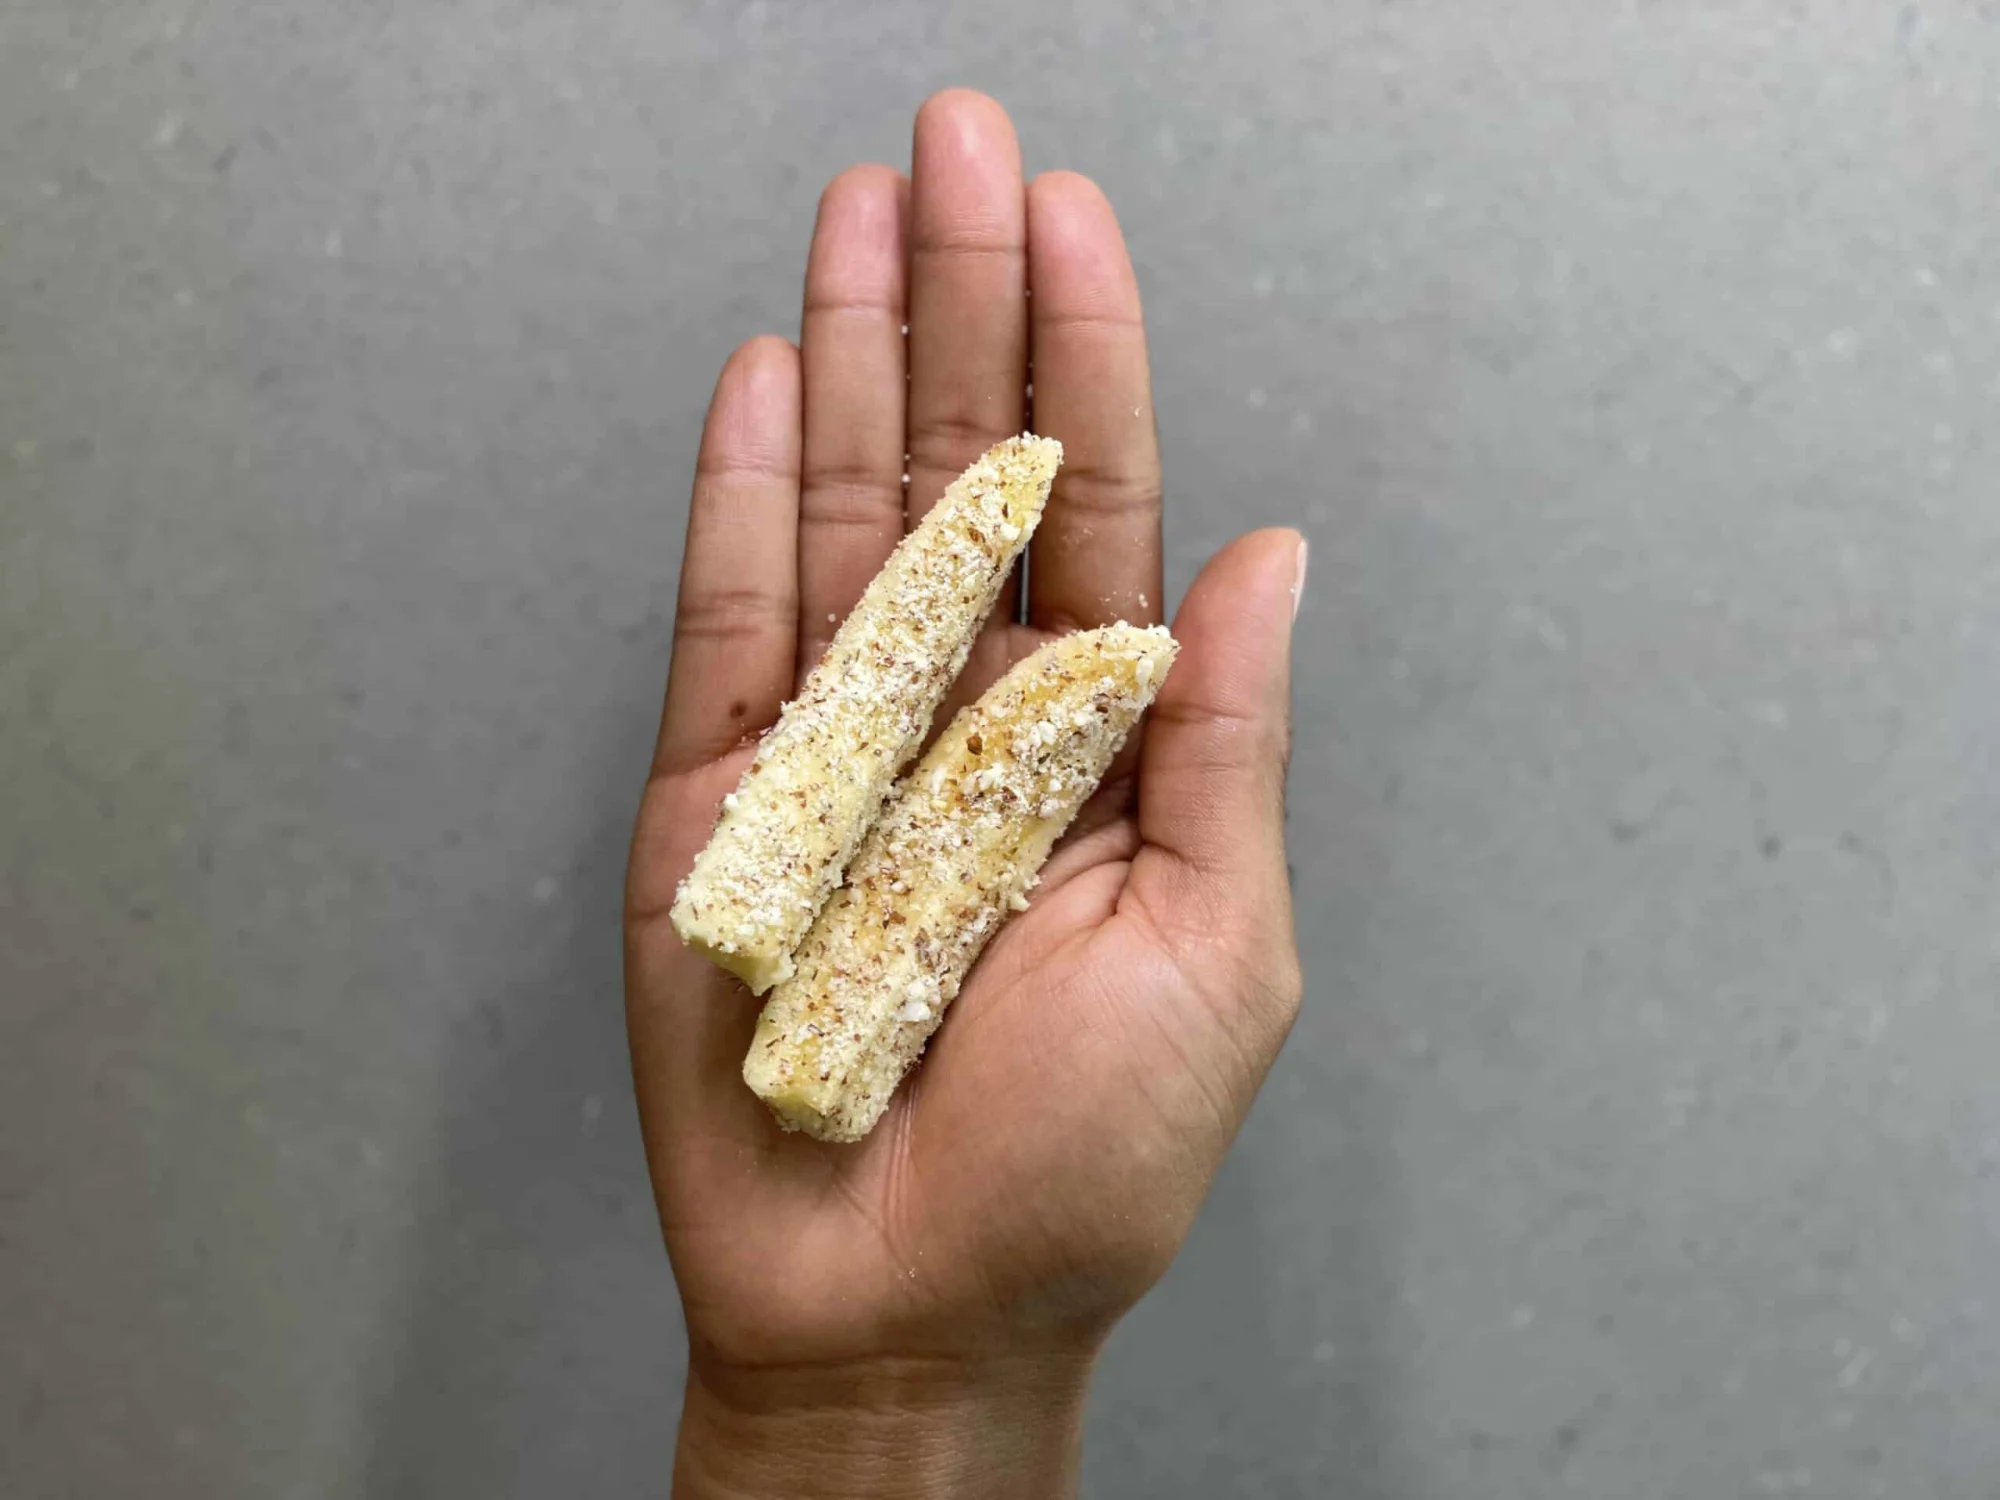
pixel 896 1431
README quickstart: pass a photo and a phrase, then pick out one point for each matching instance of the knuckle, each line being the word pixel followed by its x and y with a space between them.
pixel 950 438
pixel 730 613
pixel 747 468
pixel 971 237
pixel 1101 492
pixel 880 304
pixel 1095 317
pixel 851 499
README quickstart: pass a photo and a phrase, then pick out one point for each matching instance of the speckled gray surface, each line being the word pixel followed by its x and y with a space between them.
pixel 1630 366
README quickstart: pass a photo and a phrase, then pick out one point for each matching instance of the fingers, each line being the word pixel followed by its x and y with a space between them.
pixel 1096 558
pixel 1212 769
pixel 851 350
pixel 968 284
pixel 736 623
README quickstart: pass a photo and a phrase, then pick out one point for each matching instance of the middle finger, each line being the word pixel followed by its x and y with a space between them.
pixel 968 286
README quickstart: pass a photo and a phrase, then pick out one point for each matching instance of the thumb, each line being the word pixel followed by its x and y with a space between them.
pixel 1212 770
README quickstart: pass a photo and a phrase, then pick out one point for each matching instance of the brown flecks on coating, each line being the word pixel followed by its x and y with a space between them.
pixel 822 770
pixel 966 835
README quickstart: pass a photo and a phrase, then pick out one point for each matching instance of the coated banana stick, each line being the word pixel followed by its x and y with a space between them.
pixel 957 847
pixel 791 826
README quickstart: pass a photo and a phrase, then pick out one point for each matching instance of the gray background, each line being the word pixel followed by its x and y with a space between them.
pixel 1630 366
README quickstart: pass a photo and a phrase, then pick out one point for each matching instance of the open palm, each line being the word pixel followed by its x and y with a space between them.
pixel 1041 1165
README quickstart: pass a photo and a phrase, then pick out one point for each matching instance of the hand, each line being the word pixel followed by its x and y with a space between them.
pixel 918 1313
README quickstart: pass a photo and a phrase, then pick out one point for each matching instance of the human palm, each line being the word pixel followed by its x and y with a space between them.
pixel 1040 1166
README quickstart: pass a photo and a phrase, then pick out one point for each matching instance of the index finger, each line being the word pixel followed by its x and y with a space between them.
pixel 736 621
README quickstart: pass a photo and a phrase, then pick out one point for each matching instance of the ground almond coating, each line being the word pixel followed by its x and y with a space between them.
pixel 789 829
pixel 956 849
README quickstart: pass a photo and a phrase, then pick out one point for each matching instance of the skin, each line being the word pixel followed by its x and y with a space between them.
pixel 918 1314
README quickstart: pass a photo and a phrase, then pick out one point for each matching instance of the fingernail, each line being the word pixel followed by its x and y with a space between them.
pixel 1299 579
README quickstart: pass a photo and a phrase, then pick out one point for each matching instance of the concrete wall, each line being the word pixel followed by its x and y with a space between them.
pixel 1631 366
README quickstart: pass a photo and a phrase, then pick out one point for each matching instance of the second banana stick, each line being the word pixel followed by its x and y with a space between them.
pixel 792 824
pixel 956 848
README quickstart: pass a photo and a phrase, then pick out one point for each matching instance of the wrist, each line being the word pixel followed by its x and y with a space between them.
pixel 887 1429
